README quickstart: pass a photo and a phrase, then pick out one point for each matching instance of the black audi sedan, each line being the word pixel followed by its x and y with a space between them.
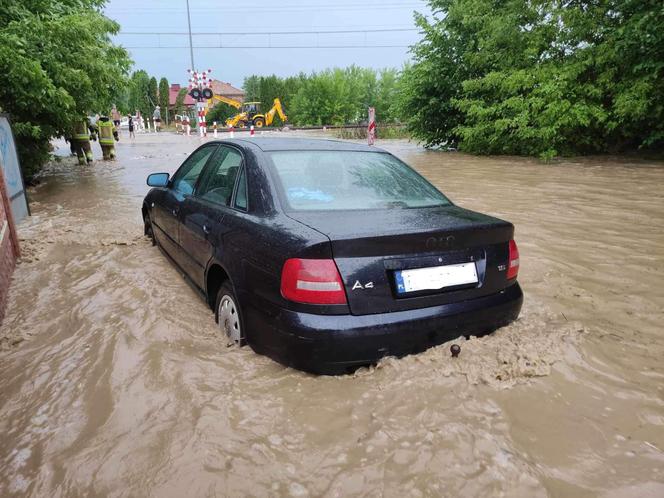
pixel 328 255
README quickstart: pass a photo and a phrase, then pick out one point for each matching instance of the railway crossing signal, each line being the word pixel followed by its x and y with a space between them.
pixel 200 89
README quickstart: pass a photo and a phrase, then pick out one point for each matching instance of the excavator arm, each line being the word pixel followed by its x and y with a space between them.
pixel 276 109
pixel 232 102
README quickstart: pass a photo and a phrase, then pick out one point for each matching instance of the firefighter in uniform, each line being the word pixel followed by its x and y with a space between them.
pixel 80 141
pixel 108 135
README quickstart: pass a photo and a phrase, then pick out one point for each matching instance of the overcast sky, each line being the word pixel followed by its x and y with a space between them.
pixel 255 23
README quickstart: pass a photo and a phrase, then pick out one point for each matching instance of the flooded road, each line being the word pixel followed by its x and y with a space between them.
pixel 106 391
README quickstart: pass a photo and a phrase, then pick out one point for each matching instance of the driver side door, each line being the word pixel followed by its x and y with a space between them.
pixel 167 207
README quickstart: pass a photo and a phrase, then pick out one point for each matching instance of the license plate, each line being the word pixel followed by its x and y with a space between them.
pixel 435 278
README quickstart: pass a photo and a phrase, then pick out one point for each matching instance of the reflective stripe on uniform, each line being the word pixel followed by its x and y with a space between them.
pixel 81 131
pixel 105 132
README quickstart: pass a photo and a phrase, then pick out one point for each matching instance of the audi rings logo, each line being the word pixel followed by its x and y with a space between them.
pixel 434 243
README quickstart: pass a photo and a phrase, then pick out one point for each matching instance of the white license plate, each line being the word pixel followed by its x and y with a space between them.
pixel 435 278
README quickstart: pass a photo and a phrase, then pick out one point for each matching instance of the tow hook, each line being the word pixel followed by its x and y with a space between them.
pixel 455 349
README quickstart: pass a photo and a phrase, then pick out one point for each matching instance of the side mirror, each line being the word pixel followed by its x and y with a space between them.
pixel 158 180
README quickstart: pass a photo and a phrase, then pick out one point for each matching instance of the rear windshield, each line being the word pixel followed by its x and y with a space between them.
pixel 335 180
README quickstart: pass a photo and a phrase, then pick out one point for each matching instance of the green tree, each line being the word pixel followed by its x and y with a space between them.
pixel 426 90
pixel 265 89
pixel 541 78
pixel 153 95
pixel 291 85
pixel 122 100
pixel 163 99
pixel 179 101
pixel 251 87
pixel 333 96
pixel 139 90
pixel 58 64
pixel 386 96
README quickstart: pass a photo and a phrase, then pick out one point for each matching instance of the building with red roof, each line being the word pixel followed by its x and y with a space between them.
pixel 218 87
pixel 173 91
pixel 227 90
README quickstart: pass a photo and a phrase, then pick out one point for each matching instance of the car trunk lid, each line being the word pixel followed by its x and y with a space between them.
pixel 371 248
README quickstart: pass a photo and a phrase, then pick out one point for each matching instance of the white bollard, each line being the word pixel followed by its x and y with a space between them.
pixel 188 126
pixel 215 128
pixel 251 131
pixel 231 131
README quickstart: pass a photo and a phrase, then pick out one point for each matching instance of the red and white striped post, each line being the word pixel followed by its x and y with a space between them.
pixel 231 131
pixel 202 126
pixel 371 129
pixel 251 131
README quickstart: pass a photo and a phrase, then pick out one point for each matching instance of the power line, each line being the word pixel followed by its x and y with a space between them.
pixel 359 27
pixel 226 47
pixel 312 8
pixel 159 4
pixel 206 33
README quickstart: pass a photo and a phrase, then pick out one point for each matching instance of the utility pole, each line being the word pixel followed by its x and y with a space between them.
pixel 191 45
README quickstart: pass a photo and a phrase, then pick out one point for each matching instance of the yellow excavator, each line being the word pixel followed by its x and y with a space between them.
pixel 250 113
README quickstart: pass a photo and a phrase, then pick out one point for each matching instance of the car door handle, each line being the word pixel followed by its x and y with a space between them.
pixel 206 229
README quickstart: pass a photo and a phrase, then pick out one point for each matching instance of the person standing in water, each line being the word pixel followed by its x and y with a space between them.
pixel 108 135
pixel 80 138
pixel 156 116
pixel 115 116
pixel 131 126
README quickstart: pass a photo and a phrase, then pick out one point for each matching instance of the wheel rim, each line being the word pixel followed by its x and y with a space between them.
pixel 229 319
pixel 259 124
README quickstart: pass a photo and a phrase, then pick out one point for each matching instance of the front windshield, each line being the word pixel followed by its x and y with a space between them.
pixel 336 180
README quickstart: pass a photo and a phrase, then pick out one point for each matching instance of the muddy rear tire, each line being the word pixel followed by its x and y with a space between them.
pixel 228 316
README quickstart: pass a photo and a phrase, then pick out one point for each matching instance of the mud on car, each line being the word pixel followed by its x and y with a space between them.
pixel 328 255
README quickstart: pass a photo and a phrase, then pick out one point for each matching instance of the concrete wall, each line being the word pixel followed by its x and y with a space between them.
pixel 9 250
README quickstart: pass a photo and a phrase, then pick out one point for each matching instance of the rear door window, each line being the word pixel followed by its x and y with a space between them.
pixel 218 183
pixel 241 191
pixel 186 177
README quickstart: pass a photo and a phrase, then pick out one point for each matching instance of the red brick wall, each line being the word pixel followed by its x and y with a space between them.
pixel 9 250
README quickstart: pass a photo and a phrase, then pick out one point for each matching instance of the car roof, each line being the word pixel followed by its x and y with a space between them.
pixel 269 144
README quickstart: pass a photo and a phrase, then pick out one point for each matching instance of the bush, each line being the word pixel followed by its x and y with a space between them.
pixel 58 65
pixel 538 78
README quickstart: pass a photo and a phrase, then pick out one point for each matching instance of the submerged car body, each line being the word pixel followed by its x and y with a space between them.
pixel 330 255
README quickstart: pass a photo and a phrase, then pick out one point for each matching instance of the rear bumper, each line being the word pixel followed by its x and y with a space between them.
pixel 336 344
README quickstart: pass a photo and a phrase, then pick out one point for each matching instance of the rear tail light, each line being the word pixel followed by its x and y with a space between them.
pixel 513 265
pixel 312 281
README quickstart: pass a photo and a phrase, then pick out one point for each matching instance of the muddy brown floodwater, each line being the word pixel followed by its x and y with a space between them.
pixel 115 382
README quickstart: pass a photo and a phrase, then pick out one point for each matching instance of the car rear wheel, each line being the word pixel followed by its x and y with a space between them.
pixel 227 314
